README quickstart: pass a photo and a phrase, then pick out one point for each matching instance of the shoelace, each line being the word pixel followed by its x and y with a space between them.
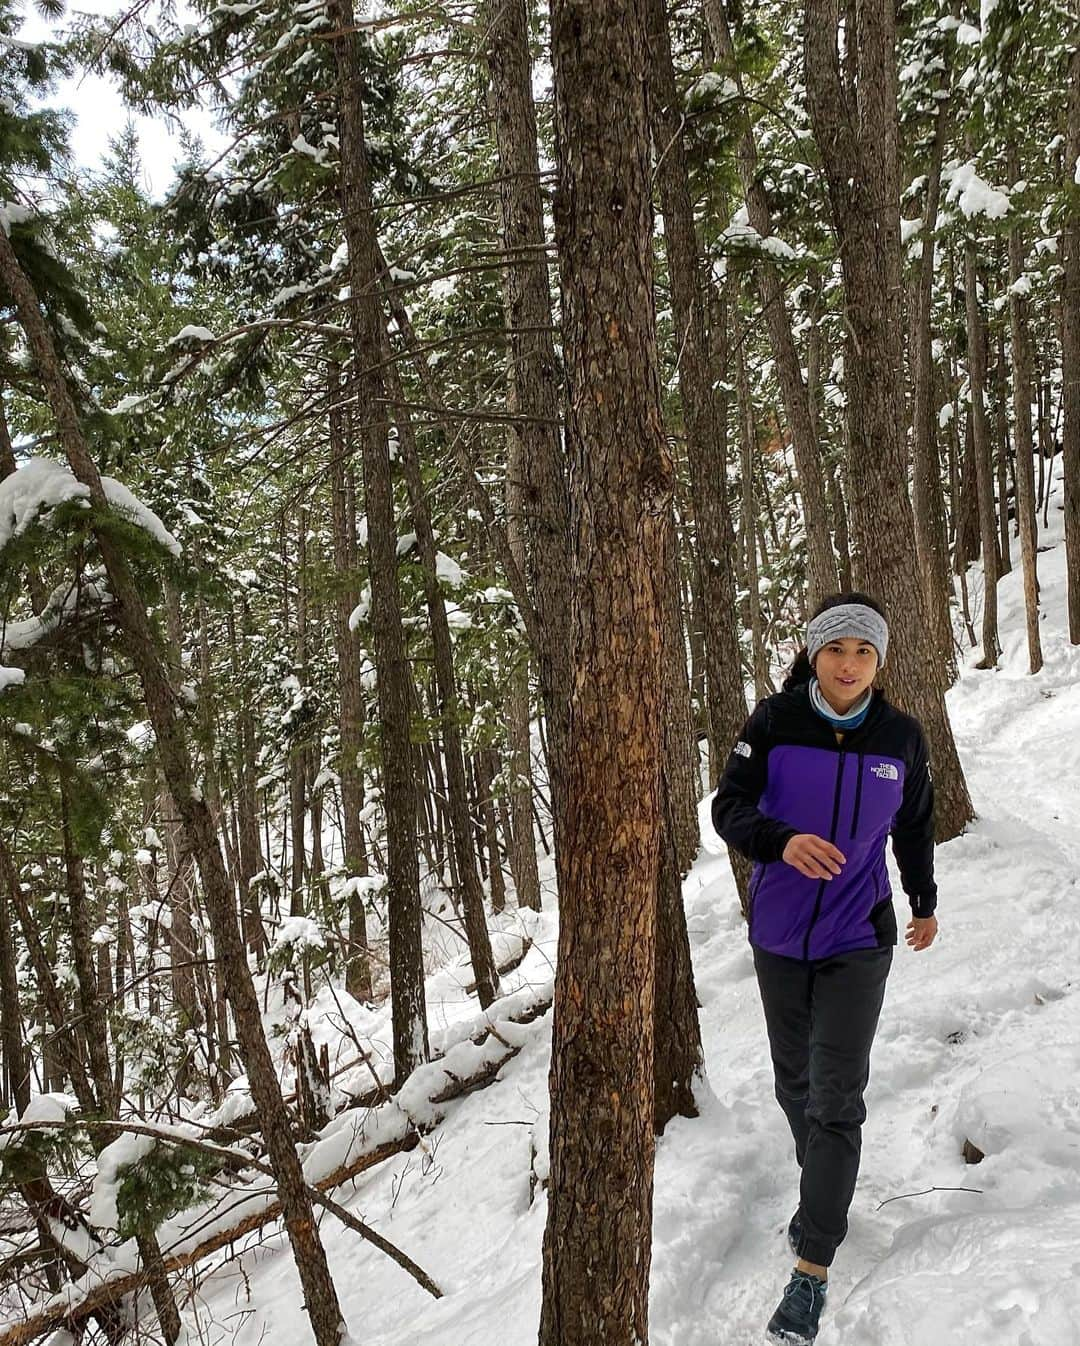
pixel 801 1279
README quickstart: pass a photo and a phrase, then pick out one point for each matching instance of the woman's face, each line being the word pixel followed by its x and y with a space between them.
pixel 845 669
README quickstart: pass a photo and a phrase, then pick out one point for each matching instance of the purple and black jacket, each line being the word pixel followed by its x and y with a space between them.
pixel 787 774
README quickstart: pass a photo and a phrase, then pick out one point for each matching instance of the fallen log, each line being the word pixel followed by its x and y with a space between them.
pixel 249 1124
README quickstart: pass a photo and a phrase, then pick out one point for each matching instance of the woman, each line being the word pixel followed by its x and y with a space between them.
pixel 823 772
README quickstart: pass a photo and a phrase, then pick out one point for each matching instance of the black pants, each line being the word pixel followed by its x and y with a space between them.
pixel 821 1018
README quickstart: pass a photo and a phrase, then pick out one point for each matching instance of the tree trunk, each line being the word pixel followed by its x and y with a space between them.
pixel 16 1083
pixel 471 893
pixel 487 768
pixel 1024 443
pixel 351 700
pixel 1070 331
pixel 181 934
pixel 535 370
pixel 681 771
pixel 856 132
pixel 161 703
pixel 388 637
pixel 821 563
pixel 747 454
pixel 597 1245
pixel 522 840
pixel 705 430
pixel 984 464
pixel 1000 399
pixel 931 541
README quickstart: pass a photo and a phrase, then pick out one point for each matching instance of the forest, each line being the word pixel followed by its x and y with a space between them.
pixel 400 515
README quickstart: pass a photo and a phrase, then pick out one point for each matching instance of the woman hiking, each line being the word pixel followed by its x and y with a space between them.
pixel 822 774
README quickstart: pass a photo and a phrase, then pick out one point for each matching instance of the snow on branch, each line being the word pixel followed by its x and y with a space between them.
pixel 741 236
pixel 974 196
pixel 31 493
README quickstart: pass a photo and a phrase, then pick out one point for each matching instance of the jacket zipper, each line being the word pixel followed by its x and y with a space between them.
pixel 832 838
pixel 858 800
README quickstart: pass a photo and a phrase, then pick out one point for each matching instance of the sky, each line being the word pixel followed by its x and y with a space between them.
pixel 99 111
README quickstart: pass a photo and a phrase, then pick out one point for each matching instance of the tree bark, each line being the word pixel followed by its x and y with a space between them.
pixel 16 1084
pixel 470 892
pixel 1024 441
pixel 388 637
pixel 705 430
pixel 747 454
pixel 1070 331
pixel 351 700
pixel 597 1244
pixel 984 464
pixel 535 371
pixel 516 699
pixel 931 541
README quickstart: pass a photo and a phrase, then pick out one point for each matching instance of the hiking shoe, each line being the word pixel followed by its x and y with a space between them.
pixel 797 1314
pixel 794 1232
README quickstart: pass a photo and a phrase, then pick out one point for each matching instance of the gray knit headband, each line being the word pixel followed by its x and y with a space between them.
pixel 853 620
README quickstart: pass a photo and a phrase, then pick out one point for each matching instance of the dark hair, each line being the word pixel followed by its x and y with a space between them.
pixel 801 670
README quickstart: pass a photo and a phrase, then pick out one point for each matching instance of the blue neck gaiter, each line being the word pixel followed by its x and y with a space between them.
pixel 843 723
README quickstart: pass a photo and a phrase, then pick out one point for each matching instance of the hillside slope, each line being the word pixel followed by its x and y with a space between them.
pixel 980 1040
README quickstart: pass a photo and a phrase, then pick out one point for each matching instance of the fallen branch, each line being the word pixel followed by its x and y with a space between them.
pixel 903 1196
pixel 239 1160
pixel 249 1124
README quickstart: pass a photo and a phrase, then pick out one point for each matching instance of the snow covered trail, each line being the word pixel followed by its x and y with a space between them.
pixel 979 1040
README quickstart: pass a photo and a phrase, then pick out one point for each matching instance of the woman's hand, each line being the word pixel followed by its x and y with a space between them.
pixel 813 856
pixel 921 932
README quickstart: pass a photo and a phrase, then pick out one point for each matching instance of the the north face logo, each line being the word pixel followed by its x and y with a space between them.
pixel 885 771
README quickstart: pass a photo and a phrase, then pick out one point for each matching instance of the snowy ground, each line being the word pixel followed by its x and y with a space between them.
pixel 980 1039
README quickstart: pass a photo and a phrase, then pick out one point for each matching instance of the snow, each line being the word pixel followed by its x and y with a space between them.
pixel 974 196
pixel 299 932
pixel 120 498
pixel 711 86
pixel 125 1150
pixel 11 677
pixel 979 1040
pixel 448 570
pixel 740 234
pixel 39 486
pixel 191 333
pixel 35 489
pixel 11 212
pixel 47 1108
pixel 302 146
pixel 908 229
pixel 967 35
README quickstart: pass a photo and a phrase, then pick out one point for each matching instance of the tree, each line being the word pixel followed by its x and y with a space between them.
pixel 596 1246
pixel 142 648
pixel 535 373
pixel 855 126
pixel 402 872
pixel 1070 327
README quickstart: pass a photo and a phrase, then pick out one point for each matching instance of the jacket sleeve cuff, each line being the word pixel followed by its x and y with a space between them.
pixel 924 905
pixel 778 839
